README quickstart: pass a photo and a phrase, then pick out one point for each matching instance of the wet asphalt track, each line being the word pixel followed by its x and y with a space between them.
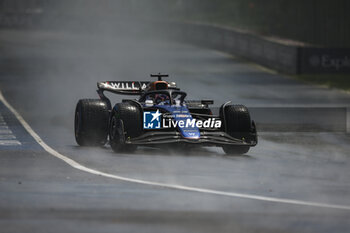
pixel 43 74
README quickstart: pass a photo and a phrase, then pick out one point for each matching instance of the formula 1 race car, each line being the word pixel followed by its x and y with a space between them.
pixel 160 116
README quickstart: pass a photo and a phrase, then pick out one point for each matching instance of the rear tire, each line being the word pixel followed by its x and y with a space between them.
pixel 91 122
pixel 237 122
pixel 126 123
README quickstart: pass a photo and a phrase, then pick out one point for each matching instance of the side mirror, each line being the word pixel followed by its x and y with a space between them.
pixel 149 103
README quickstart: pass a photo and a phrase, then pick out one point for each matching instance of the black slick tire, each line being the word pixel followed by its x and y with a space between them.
pixel 125 124
pixel 237 122
pixel 91 122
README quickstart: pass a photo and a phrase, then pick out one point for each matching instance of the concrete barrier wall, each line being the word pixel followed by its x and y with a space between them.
pixel 318 60
pixel 281 55
pixel 278 56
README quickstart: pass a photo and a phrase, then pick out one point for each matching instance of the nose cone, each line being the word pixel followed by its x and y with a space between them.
pixel 188 128
pixel 184 121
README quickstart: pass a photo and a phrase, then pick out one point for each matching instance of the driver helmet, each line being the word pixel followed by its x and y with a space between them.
pixel 161 99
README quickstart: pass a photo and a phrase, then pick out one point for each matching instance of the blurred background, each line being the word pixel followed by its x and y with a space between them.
pixel 294 37
pixel 319 22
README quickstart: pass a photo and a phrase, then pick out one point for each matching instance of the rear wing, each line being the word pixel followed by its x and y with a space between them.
pixel 123 87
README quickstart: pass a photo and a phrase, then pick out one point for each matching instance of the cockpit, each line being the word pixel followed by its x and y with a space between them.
pixel 163 97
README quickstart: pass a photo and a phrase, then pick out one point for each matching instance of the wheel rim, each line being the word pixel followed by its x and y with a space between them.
pixel 113 134
pixel 112 129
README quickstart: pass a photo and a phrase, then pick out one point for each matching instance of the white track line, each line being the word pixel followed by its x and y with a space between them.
pixel 163 185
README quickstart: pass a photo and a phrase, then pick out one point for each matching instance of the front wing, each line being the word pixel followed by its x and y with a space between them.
pixel 207 138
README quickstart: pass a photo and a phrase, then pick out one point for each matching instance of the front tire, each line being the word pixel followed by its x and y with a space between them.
pixel 125 124
pixel 91 122
pixel 237 123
